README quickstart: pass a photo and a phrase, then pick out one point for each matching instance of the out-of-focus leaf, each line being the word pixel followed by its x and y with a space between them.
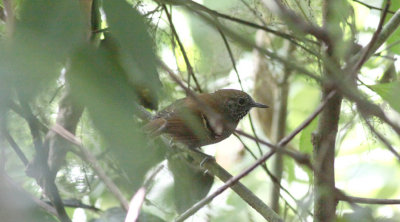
pixel 289 169
pixel 56 26
pixel 389 92
pixel 117 214
pixel 191 184
pixel 44 34
pixel 103 88
pixel 305 143
pixel 360 214
pixel 306 137
pixel 394 38
pixel 16 205
pixel 145 96
pixel 390 73
pixel 343 11
pixel 134 48
pixel 146 217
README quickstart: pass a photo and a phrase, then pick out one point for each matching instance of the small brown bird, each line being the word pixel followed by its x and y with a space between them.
pixel 204 119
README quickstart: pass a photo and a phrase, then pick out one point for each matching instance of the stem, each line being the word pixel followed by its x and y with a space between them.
pixel 325 138
pixel 280 129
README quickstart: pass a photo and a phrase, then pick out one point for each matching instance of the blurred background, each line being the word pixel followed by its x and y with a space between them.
pixel 92 67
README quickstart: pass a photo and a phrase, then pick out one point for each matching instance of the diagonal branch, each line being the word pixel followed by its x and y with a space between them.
pixel 260 161
pixel 292 18
pixel 15 147
pixel 371 6
pixel 91 159
pixel 47 207
pixel 367 50
pixel 383 140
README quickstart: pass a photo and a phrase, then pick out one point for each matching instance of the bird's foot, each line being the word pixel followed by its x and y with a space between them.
pixel 206 158
pixel 171 142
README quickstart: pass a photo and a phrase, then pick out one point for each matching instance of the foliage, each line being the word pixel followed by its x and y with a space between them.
pixel 55 55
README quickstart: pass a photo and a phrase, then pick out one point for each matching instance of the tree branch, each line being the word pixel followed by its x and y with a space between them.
pixel 383 140
pixel 47 207
pixel 363 200
pixel 366 50
pixel 246 43
pixel 297 22
pixel 15 147
pixel 233 183
pixel 46 181
pixel 372 7
pixel 274 149
pixel 91 159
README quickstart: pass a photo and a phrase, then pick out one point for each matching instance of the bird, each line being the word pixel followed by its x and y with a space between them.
pixel 202 119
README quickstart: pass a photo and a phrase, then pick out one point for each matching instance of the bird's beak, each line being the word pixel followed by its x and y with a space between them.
pixel 259 105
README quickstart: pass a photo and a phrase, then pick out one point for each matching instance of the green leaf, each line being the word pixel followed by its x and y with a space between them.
pixel 56 26
pixel 191 184
pixel 46 32
pixel 289 169
pixel 103 87
pixel 389 92
pixel 134 48
pixel 394 38
pixel 306 137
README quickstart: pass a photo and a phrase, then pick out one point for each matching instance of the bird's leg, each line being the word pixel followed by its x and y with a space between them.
pixel 206 157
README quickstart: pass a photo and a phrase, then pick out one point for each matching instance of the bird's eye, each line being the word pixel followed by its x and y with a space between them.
pixel 241 101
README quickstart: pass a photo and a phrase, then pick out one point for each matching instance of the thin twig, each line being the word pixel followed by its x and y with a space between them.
pixel 232 182
pixel 228 48
pixel 214 13
pixel 280 119
pixel 264 166
pixel 274 149
pixel 215 119
pixel 387 47
pixel 194 5
pixel 306 122
pixel 74 203
pixel 246 43
pixel 371 6
pixel 91 159
pixel 383 139
pixel 363 200
pixel 47 207
pixel 252 10
pixel 138 198
pixel 366 51
pixel 15 147
pixel 292 18
pixel 135 205
pixel 222 174
pixel 182 48
pixel 48 183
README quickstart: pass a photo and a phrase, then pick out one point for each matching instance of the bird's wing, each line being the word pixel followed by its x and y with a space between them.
pixel 185 121
pixel 155 127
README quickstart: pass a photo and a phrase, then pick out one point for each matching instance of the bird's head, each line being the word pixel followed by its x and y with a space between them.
pixel 235 103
